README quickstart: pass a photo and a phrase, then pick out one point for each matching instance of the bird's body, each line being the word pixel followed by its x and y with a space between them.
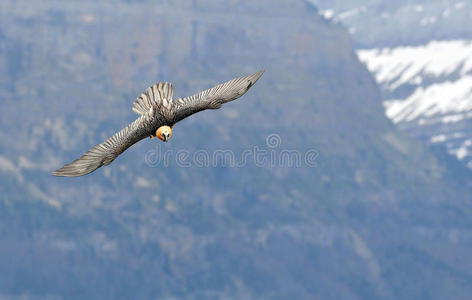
pixel 158 115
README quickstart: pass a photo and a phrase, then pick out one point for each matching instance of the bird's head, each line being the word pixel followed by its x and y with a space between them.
pixel 164 133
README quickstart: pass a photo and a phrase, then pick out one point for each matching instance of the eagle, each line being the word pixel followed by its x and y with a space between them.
pixel 158 115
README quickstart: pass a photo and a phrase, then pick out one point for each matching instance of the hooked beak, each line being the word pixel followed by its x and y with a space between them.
pixel 165 137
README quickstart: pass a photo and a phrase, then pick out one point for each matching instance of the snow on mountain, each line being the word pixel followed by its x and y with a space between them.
pixel 428 91
pixel 421 55
pixel 450 100
pixel 401 65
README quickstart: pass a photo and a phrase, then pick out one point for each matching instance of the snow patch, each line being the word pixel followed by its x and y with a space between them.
pixel 453 118
pixel 459 5
pixel 427 21
pixel 8 167
pixel 460 153
pixel 438 138
pixel 327 14
pixel 142 182
pixel 398 66
pixel 37 193
pixel 446 13
pixel 351 13
pixel 450 97
pixel 25 163
pixel 431 68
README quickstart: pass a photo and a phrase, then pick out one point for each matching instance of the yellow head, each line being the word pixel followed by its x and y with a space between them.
pixel 164 133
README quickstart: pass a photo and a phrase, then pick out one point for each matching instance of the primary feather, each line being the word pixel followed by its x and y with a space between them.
pixel 213 98
pixel 104 153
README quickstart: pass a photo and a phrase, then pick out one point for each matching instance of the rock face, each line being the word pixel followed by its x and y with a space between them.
pixel 338 205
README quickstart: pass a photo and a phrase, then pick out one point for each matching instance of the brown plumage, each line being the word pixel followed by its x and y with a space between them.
pixel 158 114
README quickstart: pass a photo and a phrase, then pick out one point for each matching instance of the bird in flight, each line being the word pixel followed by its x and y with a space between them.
pixel 158 115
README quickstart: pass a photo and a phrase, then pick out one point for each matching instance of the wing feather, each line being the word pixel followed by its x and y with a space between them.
pixel 213 98
pixel 104 153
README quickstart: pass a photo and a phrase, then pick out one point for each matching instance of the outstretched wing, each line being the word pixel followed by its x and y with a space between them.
pixel 213 98
pixel 104 153
pixel 160 94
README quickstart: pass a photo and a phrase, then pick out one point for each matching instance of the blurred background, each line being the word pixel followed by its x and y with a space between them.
pixel 379 90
